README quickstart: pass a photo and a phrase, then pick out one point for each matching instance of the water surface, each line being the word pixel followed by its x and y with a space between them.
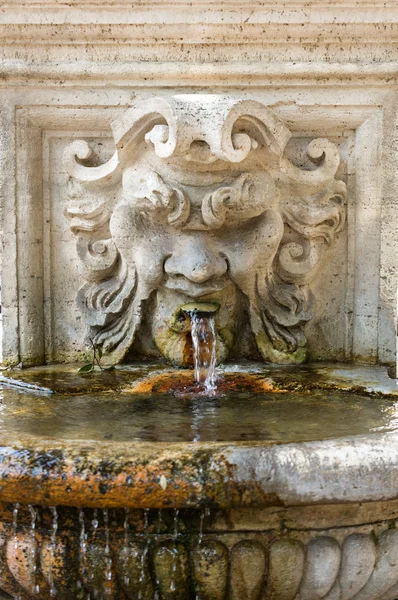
pixel 230 417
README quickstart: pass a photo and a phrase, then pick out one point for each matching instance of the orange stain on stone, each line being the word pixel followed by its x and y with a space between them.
pixel 183 381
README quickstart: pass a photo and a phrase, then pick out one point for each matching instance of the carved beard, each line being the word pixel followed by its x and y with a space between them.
pixel 113 310
pixel 278 310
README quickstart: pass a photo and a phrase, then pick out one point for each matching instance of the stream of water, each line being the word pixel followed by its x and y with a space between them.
pixel 203 333
pixel 105 531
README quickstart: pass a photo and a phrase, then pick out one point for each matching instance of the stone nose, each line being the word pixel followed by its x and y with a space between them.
pixel 196 262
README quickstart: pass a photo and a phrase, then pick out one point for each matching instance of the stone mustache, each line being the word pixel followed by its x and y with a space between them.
pixel 199 203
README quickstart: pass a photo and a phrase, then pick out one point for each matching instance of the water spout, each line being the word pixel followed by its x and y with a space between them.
pixel 203 333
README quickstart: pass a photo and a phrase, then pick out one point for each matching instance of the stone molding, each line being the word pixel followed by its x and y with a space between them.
pixel 147 74
pixel 346 470
pixel 280 42
pixel 159 22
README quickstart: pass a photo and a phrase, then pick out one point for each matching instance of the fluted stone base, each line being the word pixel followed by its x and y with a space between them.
pixel 334 552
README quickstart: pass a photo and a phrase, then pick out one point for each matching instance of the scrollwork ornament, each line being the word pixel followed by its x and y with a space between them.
pixel 200 201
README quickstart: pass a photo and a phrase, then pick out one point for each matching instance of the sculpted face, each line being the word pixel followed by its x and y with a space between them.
pixel 199 204
pixel 193 243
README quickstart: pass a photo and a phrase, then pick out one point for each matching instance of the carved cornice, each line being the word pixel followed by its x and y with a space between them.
pixel 202 35
pixel 232 74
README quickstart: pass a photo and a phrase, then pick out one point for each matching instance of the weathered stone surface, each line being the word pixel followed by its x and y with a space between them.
pixel 74 71
pixel 171 557
pixel 357 563
pixel 172 571
pixel 286 567
pixel 321 568
pixel 153 204
pixel 210 570
pixel 248 570
pixel 59 558
pixel 133 569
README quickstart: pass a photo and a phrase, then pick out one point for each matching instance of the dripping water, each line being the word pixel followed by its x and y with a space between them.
pixel 144 552
pixel 14 529
pixel 82 545
pixel 54 529
pixel 202 518
pixel 203 331
pixel 175 552
pixel 108 558
pixel 15 523
pixel 203 515
pixel 95 522
pixel 36 587
pixel 158 532
pixel 126 540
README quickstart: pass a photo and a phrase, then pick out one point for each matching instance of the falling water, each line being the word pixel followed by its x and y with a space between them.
pixel 126 540
pixel 159 531
pixel 144 553
pixel 175 552
pixel 82 547
pixel 203 333
pixel 95 522
pixel 36 587
pixel 15 523
pixel 160 520
pixel 54 529
pixel 14 529
pixel 108 558
pixel 202 518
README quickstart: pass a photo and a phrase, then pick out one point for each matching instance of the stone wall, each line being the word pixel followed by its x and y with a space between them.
pixel 326 70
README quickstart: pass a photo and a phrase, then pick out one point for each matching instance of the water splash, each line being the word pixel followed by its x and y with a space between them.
pixel 54 529
pixel 203 331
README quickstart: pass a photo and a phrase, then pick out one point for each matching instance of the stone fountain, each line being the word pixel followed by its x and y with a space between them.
pixel 198 302
pixel 126 479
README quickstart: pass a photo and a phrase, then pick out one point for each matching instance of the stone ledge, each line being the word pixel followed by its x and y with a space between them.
pixel 150 73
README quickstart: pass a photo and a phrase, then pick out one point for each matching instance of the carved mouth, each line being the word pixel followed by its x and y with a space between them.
pixel 194 290
pixel 200 308
pixel 181 322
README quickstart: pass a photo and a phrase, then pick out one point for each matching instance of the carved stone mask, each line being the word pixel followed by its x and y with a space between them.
pixel 199 203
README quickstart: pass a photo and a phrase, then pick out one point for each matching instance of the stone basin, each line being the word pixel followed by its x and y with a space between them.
pixel 95 439
pixel 290 472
